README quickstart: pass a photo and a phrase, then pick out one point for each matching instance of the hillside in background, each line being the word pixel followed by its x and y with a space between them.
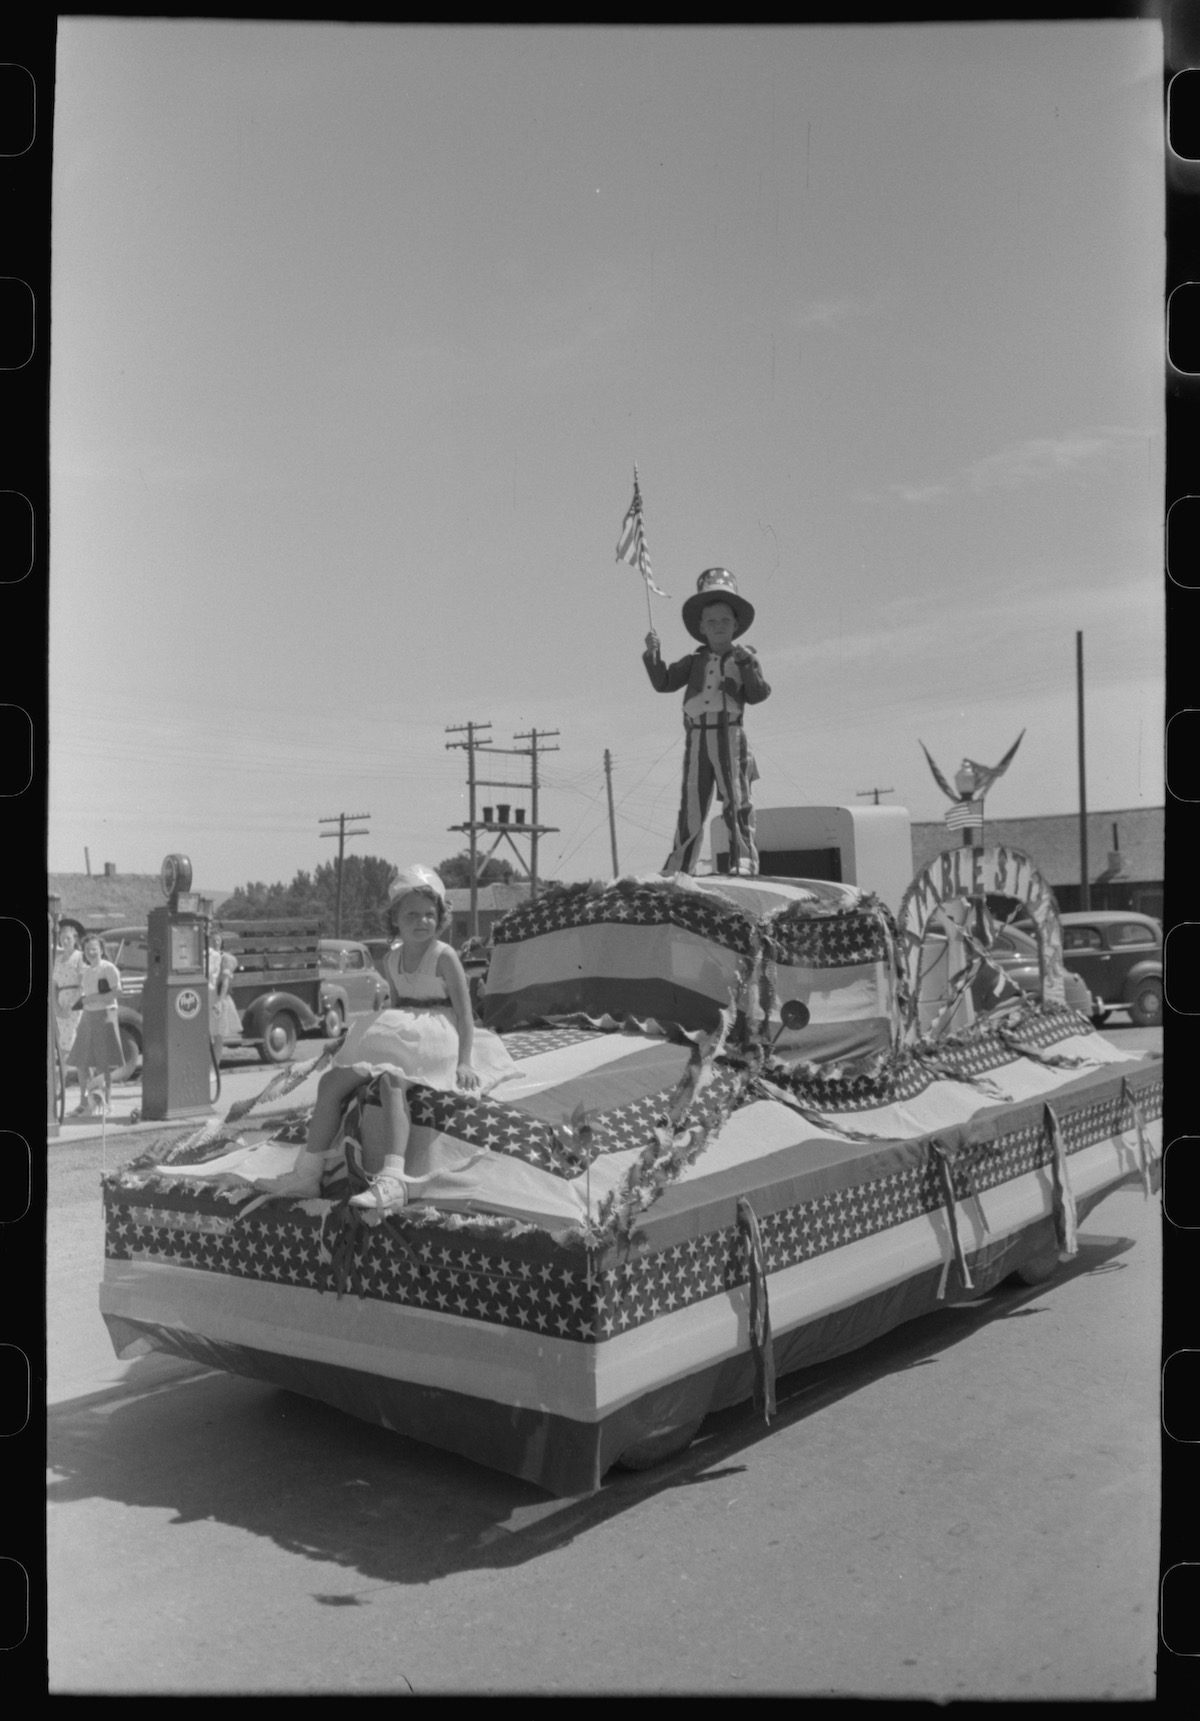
pixel 114 899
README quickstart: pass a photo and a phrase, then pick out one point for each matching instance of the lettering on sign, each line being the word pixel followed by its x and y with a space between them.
pixel 187 1004
pixel 963 874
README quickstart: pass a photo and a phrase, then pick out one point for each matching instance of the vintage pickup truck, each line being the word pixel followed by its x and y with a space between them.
pixel 291 982
pixel 741 1136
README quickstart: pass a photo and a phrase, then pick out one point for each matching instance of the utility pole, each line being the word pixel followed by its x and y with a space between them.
pixel 863 793
pixel 612 823
pixel 532 737
pixel 470 730
pixel 501 823
pixel 341 834
pixel 1085 889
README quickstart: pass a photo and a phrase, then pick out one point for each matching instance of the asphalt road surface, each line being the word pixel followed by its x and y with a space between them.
pixel 968 1508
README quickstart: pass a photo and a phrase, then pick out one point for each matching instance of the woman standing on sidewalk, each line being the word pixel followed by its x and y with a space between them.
pixel 224 1023
pixel 97 1049
pixel 68 987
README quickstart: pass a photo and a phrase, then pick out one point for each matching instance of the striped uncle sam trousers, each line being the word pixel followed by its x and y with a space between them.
pixel 716 757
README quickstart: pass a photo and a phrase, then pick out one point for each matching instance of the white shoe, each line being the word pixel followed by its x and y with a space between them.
pixel 384 1193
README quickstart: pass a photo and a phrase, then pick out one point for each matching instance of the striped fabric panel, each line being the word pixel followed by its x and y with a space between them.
pixel 646 969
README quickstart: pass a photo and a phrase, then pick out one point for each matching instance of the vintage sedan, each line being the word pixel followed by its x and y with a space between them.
pixel 1015 953
pixel 350 983
pixel 1119 957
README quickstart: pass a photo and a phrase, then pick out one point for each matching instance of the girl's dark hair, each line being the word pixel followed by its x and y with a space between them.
pixel 443 907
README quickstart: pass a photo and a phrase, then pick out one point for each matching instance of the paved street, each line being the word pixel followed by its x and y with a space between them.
pixel 967 1508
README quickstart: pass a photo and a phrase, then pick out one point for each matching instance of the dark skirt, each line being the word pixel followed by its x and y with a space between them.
pixel 97 1043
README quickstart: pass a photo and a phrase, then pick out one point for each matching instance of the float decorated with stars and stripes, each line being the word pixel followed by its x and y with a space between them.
pixel 726 1152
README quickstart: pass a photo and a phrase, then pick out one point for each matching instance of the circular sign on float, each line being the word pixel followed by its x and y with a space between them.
pixel 934 905
pixel 187 1004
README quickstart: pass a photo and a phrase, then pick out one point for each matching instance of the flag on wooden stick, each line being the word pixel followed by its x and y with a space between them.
pixel 631 547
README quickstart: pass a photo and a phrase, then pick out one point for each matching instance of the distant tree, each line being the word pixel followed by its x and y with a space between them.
pixel 455 873
pixel 261 901
pixel 365 884
pixel 313 896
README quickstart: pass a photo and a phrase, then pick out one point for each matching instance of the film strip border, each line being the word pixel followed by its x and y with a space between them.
pixel 31 1104
pixel 1179 1617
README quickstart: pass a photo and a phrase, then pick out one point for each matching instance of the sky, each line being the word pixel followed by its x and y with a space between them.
pixel 358 333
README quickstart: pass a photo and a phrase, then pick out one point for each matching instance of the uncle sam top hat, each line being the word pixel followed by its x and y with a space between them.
pixel 717 585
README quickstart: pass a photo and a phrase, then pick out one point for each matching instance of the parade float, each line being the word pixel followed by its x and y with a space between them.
pixel 754 1123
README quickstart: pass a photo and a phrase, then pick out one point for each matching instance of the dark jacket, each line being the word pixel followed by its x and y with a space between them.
pixel 688 673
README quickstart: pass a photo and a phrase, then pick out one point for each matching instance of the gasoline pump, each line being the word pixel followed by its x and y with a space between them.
pixel 176 1053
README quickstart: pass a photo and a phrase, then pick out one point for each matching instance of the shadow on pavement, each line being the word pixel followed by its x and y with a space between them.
pixel 208 1446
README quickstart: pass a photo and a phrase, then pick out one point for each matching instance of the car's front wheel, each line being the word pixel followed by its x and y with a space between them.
pixel 279 1038
pixel 335 1022
pixel 1146 1005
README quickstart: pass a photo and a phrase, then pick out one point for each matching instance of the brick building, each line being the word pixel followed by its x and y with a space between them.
pixel 491 901
pixel 1125 854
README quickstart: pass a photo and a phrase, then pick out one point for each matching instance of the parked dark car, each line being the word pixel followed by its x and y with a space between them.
pixel 1015 953
pixel 1119 957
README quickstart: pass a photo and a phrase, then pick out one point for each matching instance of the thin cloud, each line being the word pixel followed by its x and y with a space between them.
pixel 1042 457
pixel 919 492
pixel 1035 460
pixel 831 313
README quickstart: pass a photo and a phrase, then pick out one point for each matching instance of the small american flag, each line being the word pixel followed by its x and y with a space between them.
pixel 631 546
pixel 963 814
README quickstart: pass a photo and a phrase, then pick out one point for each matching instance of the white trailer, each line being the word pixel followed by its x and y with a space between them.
pixel 870 847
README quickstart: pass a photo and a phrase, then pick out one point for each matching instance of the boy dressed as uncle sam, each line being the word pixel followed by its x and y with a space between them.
pixel 719 681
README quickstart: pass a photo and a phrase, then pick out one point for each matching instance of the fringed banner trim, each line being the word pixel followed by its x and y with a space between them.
pixel 680 1133
pixel 1128 1097
pixel 1065 1217
pixel 283 1083
pixel 761 1345
pixel 943 1156
pixel 769 1090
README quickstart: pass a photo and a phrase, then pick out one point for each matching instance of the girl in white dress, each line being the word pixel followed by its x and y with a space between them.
pixel 428 1035
pixel 224 1023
